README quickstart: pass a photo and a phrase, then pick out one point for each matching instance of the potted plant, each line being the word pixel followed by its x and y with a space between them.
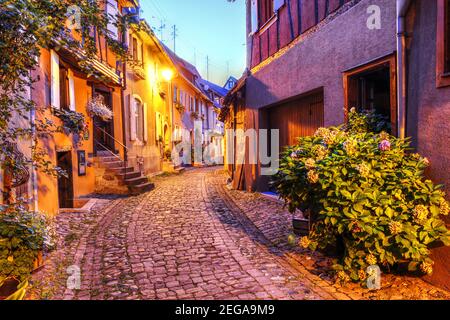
pixel 24 235
pixel 194 115
pixel 97 108
pixel 180 107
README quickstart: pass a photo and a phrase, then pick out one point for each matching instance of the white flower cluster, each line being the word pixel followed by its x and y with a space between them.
pixel 97 107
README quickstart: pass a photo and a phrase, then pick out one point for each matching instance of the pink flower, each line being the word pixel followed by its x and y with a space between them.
pixel 385 145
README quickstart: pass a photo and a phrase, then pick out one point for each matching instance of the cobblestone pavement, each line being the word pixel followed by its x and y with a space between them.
pixel 192 238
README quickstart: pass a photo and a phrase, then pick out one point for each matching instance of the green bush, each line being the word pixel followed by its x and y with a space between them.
pixel 23 235
pixel 367 190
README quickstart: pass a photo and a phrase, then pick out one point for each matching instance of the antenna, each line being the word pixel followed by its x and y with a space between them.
pixel 161 30
pixel 207 68
pixel 174 37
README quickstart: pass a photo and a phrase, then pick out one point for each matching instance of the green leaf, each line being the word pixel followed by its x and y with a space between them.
pixel 389 212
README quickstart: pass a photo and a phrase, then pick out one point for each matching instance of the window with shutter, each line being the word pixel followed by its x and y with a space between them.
pixel 254 15
pixel 265 11
pixel 72 91
pixel 55 91
pixel 277 4
pixel 145 122
pixel 64 88
pixel 112 11
pixel 132 113
pixel 139 118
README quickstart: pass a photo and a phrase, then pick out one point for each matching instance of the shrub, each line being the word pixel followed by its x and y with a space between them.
pixel 368 191
pixel 23 235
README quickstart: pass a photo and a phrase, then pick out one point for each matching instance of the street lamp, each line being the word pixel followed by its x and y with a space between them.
pixel 167 74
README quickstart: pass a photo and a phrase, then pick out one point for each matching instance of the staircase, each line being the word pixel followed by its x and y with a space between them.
pixel 128 179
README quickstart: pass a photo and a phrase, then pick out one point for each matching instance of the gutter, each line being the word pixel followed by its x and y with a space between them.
pixel 402 9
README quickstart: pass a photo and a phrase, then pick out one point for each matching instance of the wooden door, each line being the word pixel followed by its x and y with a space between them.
pixel 65 183
pixel 298 118
pixel 104 130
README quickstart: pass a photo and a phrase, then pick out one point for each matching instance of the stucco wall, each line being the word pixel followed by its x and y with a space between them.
pixel 428 106
pixel 429 114
pixel 321 57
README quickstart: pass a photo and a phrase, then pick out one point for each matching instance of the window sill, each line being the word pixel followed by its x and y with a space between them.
pixel 266 25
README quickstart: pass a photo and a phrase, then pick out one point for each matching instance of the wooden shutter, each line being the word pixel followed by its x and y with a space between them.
pixel 112 11
pixel 158 126
pixel 132 115
pixel 54 69
pixel 145 123
pixel 72 102
pixel 254 15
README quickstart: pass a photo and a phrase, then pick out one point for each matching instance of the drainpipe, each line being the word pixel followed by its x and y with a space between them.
pixel 402 8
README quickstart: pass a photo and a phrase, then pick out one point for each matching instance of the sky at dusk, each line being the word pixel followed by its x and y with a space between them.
pixel 205 28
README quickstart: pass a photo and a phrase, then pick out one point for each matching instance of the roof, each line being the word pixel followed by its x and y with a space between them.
pixel 183 68
pixel 214 87
pixel 232 79
pixel 236 93
pixel 180 62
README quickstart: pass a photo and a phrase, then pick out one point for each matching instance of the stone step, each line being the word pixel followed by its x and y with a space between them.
pixel 122 170
pixel 142 188
pixel 180 169
pixel 136 181
pixel 113 165
pixel 106 153
pixel 129 175
pixel 108 159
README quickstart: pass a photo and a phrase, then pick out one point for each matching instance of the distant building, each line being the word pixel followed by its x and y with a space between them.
pixel 231 82
pixel 195 99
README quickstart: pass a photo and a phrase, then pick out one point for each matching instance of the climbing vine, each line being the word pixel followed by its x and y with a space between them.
pixel 26 28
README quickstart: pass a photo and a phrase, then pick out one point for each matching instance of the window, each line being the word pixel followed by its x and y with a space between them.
pixel 373 87
pixel 265 9
pixel 135 49
pixel 191 104
pixel 175 94
pixel 64 88
pixel 139 120
pixel 112 11
pixel 443 43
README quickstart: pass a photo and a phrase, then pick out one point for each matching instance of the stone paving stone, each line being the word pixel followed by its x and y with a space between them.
pixel 190 238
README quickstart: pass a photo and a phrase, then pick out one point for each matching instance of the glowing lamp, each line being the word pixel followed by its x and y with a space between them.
pixel 167 74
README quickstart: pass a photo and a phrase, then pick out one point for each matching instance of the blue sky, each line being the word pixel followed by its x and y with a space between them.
pixel 213 28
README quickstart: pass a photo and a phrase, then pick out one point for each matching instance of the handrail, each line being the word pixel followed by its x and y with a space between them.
pixel 115 140
pixel 112 152
pixel 125 149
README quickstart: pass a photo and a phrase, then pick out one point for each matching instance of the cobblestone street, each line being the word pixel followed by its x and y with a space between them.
pixel 192 238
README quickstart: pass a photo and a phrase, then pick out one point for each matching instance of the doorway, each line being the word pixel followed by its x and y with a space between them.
pixel 65 183
pixel 104 130
pixel 298 118
pixel 372 87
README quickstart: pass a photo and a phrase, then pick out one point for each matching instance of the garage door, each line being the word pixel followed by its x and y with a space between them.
pixel 298 118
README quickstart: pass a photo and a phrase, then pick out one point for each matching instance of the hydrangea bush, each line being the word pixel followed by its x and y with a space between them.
pixel 367 190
